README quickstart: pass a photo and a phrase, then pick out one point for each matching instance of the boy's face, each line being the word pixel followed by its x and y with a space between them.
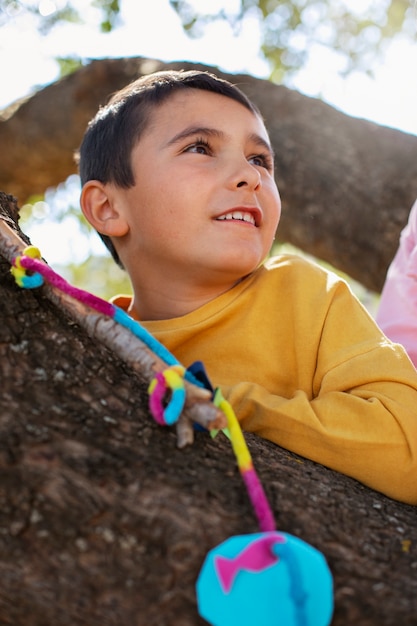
pixel 205 205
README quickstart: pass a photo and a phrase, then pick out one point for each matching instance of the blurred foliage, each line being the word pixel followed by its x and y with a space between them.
pixel 47 13
pixel 290 28
pixel 97 274
pixel 357 29
pixel 68 65
pixel 110 11
pixel 50 13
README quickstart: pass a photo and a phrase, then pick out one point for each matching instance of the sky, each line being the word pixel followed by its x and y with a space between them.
pixel 152 29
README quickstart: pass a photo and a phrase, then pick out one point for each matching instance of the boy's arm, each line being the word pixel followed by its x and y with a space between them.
pixel 353 402
pixel 367 433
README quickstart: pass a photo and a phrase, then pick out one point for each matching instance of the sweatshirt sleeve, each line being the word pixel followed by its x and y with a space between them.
pixel 359 417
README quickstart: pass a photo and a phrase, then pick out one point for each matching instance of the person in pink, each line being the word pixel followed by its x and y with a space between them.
pixel 397 312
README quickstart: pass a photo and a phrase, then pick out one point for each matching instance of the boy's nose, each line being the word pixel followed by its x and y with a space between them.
pixel 247 176
pixel 255 184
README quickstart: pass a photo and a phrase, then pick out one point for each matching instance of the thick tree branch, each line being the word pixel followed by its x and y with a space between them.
pixel 103 521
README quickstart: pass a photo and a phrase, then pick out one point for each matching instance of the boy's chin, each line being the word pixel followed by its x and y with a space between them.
pixel 234 272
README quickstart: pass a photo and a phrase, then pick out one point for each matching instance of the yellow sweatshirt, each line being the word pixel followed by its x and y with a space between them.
pixel 305 366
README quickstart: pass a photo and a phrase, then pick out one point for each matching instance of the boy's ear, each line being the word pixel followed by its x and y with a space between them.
pixel 101 211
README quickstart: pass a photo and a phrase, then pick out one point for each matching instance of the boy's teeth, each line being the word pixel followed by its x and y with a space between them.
pixel 238 215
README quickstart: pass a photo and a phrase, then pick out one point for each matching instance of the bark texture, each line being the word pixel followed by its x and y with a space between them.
pixel 103 521
pixel 347 185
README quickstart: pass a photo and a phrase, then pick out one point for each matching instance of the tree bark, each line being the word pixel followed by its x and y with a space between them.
pixel 103 521
pixel 347 184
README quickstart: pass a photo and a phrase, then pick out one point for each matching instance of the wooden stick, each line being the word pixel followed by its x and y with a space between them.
pixel 129 348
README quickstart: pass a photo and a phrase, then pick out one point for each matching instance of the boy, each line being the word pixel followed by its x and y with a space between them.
pixel 177 175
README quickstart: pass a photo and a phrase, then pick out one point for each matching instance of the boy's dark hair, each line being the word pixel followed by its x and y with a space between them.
pixel 105 152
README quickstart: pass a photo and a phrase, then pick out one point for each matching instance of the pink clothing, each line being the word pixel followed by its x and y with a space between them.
pixel 397 313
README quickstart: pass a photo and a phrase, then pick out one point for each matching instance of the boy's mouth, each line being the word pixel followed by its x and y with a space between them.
pixel 241 216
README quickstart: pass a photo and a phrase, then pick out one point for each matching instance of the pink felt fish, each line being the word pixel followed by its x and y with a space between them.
pixel 256 557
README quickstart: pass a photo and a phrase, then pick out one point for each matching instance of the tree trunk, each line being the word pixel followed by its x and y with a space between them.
pixel 103 521
pixel 347 185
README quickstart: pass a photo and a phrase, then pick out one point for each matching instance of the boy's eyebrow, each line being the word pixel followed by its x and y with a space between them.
pixel 195 130
pixel 261 142
pixel 191 131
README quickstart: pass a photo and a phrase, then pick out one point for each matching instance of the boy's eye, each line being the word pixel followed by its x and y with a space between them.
pixel 199 147
pixel 262 160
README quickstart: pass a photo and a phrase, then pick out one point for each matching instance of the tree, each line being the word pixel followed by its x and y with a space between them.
pixel 347 185
pixel 104 521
